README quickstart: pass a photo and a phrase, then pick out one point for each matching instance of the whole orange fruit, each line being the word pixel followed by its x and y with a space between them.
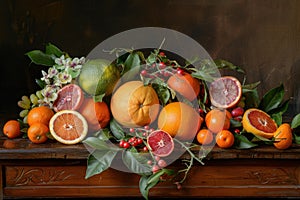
pixel 37 133
pixel 12 129
pixel 205 136
pixel 179 120
pixel 97 114
pixel 41 114
pixel 185 84
pixel 225 139
pixel 133 104
pixel 217 120
pixel 283 136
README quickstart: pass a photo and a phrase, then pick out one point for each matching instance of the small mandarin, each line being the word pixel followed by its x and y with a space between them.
pixel 12 129
pixel 225 139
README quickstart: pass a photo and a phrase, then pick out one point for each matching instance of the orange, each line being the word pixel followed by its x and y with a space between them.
pixel 283 136
pixel 179 120
pixel 217 120
pixel 258 122
pixel 68 127
pixel 185 84
pixel 205 136
pixel 12 129
pixel 134 104
pixel 225 92
pixel 225 139
pixel 41 114
pixel 97 114
pixel 37 133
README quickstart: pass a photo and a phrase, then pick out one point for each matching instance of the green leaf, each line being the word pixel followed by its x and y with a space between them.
pixel 277 117
pixel 295 121
pixel 136 162
pixel 53 50
pixel 99 144
pixel 73 73
pixel 296 138
pixel 162 92
pixel 40 83
pixel 143 183
pixel 235 123
pixel 151 58
pixel 272 99
pixel 223 64
pixel 251 86
pixel 99 161
pixel 132 61
pixel 116 129
pixel 200 74
pixel 242 142
pixel 99 98
pixel 40 58
pixel 251 98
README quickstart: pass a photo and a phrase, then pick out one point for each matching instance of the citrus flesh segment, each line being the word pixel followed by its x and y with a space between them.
pixel 69 97
pixel 225 92
pixel 259 123
pixel 68 127
pixel 160 143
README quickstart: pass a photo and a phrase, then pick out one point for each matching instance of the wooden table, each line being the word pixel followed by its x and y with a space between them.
pixel 56 170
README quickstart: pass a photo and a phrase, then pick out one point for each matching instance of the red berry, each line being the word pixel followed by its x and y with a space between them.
pixel 121 143
pixel 144 72
pixel 139 141
pixel 131 130
pixel 180 71
pixel 145 148
pixel 149 162
pixel 157 158
pixel 162 65
pixel 162 54
pixel 126 145
pixel 155 168
pixel 162 163
pixel 238 111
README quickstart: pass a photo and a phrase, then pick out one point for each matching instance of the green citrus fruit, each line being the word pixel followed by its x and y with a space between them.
pixel 98 77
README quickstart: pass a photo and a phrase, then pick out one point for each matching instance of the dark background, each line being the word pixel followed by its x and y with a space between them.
pixel 261 36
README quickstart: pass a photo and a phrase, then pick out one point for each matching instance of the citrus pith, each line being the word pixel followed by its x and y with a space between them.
pixel 68 127
pixel 259 123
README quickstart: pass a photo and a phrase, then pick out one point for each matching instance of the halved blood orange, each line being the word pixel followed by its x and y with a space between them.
pixel 68 127
pixel 160 143
pixel 259 123
pixel 69 97
pixel 225 92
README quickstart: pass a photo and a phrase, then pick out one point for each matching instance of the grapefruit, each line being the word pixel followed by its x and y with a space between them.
pixel 225 92
pixel 259 123
pixel 98 77
pixel 179 120
pixel 185 84
pixel 134 104
pixel 69 97
pixel 68 127
pixel 160 143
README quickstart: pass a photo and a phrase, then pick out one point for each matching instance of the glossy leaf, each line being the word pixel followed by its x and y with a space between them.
pixel 295 121
pixel 162 92
pixel 136 162
pixel 99 144
pixel 223 64
pixel 272 99
pixel 53 50
pixel 116 129
pixel 40 58
pixel 242 142
pixel 99 161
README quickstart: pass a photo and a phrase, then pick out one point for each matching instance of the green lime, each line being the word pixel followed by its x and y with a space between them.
pixel 98 77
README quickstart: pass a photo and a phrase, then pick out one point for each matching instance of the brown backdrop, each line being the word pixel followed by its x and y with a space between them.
pixel 262 36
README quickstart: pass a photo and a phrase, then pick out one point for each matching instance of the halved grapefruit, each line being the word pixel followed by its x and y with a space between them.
pixel 68 127
pixel 225 92
pixel 160 143
pixel 69 97
pixel 259 123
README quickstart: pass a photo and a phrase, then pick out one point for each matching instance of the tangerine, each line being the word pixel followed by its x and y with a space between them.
pixel 134 104
pixel 225 139
pixel 37 133
pixel 185 84
pixel 97 114
pixel 259 123
pixel 68 127
pixel 41 114
pixel 283 136
pixel 217 120
pixel 205 136
pixel 12 129
pixel 179 120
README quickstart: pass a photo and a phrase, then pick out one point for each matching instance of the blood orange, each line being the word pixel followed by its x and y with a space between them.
pixel 161 143
pixel 259 123
pixel 225 92
pixel 68 127
pixel 70 97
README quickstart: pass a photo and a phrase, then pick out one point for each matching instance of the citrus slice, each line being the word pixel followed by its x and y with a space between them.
pixel 160 143
pixel 68 127
pixel 259 123
pixel 225 92
pixel 69 97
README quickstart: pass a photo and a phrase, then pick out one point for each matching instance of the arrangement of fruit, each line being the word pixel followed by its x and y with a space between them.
pixel 149 109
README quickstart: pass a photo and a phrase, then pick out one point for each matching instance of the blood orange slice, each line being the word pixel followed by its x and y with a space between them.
pixel 68 127
pixel 160 143
pixel 225 92
pixel 259 123
pixel 69 97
